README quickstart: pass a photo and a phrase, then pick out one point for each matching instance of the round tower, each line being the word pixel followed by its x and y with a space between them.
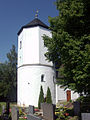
pixel 33 68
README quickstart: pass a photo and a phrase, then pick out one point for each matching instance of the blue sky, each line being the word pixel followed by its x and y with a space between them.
pixel 16 13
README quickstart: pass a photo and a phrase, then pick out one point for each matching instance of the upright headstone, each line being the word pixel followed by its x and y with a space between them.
pixel 85 116
pixel 31 109
pixel 76 108
pixel 3 109
pixel 15 113
pixel 48 111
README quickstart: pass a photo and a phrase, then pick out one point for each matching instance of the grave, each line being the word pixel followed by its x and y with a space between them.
pixel 48 111
pixel 33 117
pixel 31 109
pixel 85 116
pixel 15 113
pixel 3 109
pixel 76 108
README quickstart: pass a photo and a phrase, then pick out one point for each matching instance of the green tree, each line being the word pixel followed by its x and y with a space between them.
pixel 48 97
pixel 8 76
pixel 41 97
pixel 4 82
pixel 8 79
pixel 12 68
pixel 69 47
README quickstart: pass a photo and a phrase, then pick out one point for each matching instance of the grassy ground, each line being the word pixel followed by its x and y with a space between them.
pixel 70 110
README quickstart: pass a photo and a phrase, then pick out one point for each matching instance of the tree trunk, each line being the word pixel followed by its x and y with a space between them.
pixel 7 107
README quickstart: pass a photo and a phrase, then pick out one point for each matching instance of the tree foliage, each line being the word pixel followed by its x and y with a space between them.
pixel 69 47
pixel 41 97
pixel 48 97
pixel 8 76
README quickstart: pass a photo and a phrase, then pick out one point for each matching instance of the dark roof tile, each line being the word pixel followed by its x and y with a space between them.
pixel 33 23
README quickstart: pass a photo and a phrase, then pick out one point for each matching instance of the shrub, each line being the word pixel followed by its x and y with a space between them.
pixel 84 103
pixel 62 114
pixel 41 98
pixel 49 97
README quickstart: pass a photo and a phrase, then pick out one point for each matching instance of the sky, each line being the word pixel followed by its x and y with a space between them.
pixel 16 13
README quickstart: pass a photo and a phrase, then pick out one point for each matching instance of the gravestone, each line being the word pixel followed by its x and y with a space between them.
pixel 33 117
pixel 76 108
pixel 15 113
pixel 85 116
pixel 31 109
pixel 3 109
pixel 48 111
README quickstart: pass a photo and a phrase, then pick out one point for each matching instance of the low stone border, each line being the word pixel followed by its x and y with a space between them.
pixel 33 117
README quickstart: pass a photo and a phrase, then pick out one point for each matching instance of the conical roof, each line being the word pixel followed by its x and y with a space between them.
pixel 33 23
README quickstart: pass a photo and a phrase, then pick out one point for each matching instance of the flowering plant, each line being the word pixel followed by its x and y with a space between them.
pixel 62 114
pixel 25 117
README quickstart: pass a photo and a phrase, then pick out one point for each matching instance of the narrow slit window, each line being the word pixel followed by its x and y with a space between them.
pixel 42 78
pixel 20 44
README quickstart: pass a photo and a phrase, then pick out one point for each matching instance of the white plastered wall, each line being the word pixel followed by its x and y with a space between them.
pixel 29 83
pixel 42 48
pixel 31 45
pixel 61 94
pixel 31 65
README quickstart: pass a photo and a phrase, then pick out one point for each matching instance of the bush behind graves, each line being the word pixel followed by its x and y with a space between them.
pixel 41 97
pixel 49 97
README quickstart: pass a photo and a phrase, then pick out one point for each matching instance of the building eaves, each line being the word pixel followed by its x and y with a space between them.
pixel 33 23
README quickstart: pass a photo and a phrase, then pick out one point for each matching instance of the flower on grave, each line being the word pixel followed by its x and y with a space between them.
pixel 36 110
pixel 25 117
pixel 9 110
pixel 66 114
pixel 65 107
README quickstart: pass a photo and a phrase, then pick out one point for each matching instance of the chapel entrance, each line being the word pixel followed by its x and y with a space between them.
pixel 68 95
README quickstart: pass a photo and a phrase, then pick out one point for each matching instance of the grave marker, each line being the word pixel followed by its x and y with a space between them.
pixel 31 109
pixel 48 111
pixel 85 116
pixel 15 113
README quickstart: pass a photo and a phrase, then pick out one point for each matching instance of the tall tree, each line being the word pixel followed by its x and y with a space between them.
pixel 8 76
pixel 12 67
pixel 4 86
pixel 69 47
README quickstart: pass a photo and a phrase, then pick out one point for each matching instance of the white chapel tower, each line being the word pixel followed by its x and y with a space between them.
pixel 33 68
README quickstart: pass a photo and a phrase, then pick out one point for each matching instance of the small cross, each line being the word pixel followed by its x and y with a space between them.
pixel 36 15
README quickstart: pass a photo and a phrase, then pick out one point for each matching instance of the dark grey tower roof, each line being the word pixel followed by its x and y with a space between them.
pixel 33 23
